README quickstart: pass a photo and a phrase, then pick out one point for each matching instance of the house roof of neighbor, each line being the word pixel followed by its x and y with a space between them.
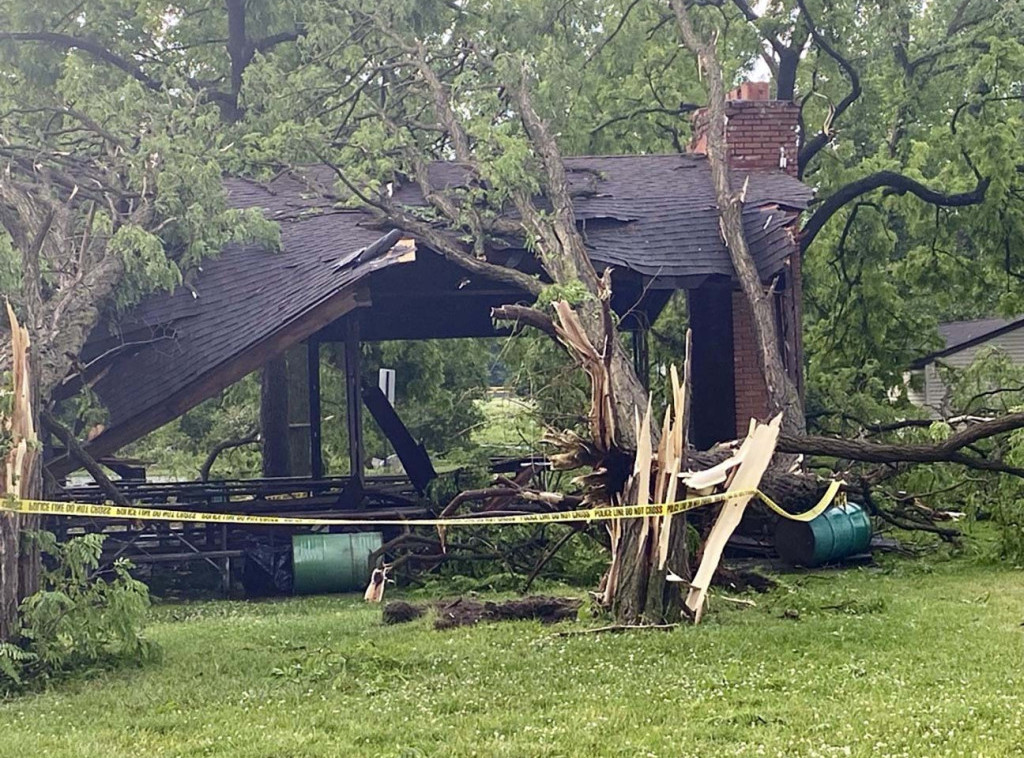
pixel 957 335
pixel 654 216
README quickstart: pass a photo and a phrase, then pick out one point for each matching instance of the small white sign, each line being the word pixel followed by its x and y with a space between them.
pixel 386 382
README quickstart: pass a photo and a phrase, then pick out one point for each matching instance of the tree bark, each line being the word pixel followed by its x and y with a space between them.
pixel 10 534
pixel 20 478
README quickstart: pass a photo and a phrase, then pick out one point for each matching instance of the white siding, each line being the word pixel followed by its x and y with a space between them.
pixel 913 381
pixel 1011 343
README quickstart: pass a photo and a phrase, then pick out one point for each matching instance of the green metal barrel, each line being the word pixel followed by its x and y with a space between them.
pixel 324 563
pixel 839 532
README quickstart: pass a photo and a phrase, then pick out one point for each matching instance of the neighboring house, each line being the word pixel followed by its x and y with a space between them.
pixel 964 340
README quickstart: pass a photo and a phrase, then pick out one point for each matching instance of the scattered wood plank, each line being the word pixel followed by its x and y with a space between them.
pixel 757 451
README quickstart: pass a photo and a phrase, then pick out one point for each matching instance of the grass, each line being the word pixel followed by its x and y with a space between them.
pixel 911 660
pixel 510 425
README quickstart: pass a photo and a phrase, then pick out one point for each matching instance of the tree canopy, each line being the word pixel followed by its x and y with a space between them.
pixel 120 118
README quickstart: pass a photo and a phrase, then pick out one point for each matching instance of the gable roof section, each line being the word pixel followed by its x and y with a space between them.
pixel 959 335
pixel 248 304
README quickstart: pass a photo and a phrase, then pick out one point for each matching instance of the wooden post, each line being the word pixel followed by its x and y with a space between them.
pixel 316 451
pixel 298 411
pixel 354 402
pixel 274 418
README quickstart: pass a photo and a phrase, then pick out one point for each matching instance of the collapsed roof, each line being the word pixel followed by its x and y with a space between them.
pixel 653 218
pixel 654 215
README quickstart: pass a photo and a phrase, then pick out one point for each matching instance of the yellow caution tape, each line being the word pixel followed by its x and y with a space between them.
pixel 56 508
pixel 831 494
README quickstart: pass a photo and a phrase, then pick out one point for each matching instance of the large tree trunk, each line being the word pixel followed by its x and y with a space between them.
pixel 783 395
pixel 20 478
pixel 10 530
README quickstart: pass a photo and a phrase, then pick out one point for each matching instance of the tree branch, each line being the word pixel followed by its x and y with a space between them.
pixel 751 16
pixel 95 49
pixel 946 451
pixel 77 452
pixel 683 109
pixel 271 41
pixel 526 316
pixel 577 527
pixel 220 447
pixel 813 146
pixel 897 184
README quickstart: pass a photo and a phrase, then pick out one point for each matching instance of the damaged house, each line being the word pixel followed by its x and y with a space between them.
pixel 340 277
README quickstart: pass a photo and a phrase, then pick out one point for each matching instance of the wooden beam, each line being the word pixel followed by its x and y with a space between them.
pixel 316 450
pixel 412 454
pixel 353 402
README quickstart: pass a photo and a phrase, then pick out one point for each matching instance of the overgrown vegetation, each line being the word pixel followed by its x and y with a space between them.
pixel 913 659
pixel 78 620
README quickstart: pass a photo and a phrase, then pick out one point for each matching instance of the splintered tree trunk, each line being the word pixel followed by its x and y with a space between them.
pixel 19 572
pixel 645 550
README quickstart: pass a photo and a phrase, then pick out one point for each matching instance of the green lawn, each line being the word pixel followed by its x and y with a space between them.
pixel 909 661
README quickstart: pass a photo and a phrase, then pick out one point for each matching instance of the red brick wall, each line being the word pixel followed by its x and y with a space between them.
pixel 748 378
pixel 761 135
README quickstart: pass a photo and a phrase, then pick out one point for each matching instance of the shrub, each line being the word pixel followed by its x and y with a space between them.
pixel 78 619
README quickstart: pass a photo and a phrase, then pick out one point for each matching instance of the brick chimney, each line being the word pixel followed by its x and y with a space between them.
pixel 761 135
